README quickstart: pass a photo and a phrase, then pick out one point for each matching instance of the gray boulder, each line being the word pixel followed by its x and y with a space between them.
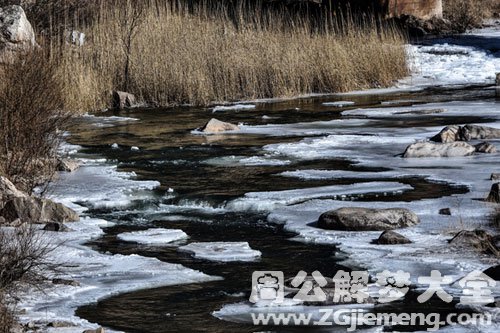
pixel 36 210
pixel 475 132
pixel 122 100
pixel 429 149
pixel 390 237
pixel 366 219
pixel 448 134
pixel 16 33
pixel 486 148
pixel 217 126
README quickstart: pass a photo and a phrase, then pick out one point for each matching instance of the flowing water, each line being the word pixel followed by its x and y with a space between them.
pixel 205 173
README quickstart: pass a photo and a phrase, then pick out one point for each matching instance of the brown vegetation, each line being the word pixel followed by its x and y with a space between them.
pixel 467 14
pixel 31 117
pixel 167 54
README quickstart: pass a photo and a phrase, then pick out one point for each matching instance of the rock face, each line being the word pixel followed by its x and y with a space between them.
pixel 366 219
pixel 429 149
pixel 217 126
pixel 36 210
pixel 392 238
pixel 477 239
pixel 122 100
pixel 494 195
pixel 16 33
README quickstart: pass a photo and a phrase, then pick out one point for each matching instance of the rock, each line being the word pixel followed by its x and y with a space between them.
pixel 37 210
pixel 475 132
pixel 444 211
pixel 122 100
pixel 497 80
pixel 494 195
pixel 98 330
pixel 217 126
pixel 67 165
pixel 428 149
pixel 66 282
pixel 485 147
pixel 493 272
pixel 495 176
pixel 8 190
pixel 56 227
pixel 60 324
pixel 448 134
pixel 16 33
pixel 476 239
pixel 391 238
pixel 366 219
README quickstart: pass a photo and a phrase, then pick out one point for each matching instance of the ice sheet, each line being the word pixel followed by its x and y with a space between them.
pixel 154 236
pixel 222 251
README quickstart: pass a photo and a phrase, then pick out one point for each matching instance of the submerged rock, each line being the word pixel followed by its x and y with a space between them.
pixel 476 239
pixel 485 147
pixel 367 219
pixel 390 237
pixel 217 126
pixel 37 210
pixel 494 195
pixel 16 33
pixel 445 211
pixel 65 282
pixel 429 149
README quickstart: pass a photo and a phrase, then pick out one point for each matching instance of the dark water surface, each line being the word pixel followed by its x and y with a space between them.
pixel 172 155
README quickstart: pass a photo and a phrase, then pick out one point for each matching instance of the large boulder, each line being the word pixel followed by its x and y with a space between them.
pixel 36 210
pixel 217 126
pixel 16 33
pixel 475 132
pixel 429 149
pixel 366 219
pixel 390 237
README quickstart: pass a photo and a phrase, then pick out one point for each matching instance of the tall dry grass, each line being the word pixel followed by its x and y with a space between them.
pixel 169 54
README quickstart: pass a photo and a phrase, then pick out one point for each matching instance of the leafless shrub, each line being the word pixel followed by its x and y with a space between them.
pixel 31 117
pixel 467 14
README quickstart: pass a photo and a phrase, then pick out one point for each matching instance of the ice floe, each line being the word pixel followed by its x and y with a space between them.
pixel 234 107
pixel 154 236
pixel 222 251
